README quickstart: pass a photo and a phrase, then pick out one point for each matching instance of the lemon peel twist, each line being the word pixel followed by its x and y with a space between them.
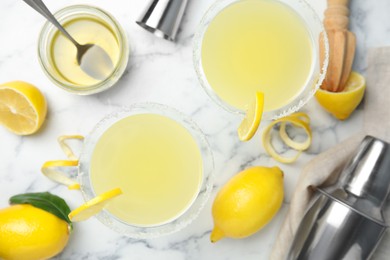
pixel 300 120
pixel 54 169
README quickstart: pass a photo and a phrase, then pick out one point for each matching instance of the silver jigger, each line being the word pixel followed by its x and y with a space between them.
pixel 346 220
pixel 163 17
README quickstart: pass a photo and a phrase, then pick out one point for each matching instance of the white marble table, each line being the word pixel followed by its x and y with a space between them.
pixel 159 71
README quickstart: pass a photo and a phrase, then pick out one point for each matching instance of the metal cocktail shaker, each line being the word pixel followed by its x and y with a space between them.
pixel 345 221
pixel 163 17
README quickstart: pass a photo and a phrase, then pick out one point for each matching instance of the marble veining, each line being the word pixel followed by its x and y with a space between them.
pixel 158 71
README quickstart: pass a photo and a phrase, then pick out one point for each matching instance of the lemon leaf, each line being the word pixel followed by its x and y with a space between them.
pixel 46 201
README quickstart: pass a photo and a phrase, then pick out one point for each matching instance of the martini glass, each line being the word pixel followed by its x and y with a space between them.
pixel 131 153
pixel 217 70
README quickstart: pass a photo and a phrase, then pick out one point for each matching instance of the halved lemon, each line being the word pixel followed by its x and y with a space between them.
pixel 342 104
pixel 251 122
pixel 93 206
pixel 23 107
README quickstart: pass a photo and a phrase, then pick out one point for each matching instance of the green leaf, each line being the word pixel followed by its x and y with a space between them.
pixel 46 201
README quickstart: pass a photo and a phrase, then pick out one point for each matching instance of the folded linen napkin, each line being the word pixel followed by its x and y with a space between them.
pixel 324 169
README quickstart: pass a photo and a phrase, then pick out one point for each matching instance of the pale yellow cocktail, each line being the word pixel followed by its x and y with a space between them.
pixel 271 46
pixel 157 164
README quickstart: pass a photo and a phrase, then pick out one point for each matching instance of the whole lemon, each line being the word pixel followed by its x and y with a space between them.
pixel 247 202
pixel 27 232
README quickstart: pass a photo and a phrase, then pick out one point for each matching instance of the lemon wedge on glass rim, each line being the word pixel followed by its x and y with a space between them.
pixel 251 121
pixel 93 206
pixel 23 107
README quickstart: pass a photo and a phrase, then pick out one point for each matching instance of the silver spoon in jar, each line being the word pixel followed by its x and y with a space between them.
pixel 92 59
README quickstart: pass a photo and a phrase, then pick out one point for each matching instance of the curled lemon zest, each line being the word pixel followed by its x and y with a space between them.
pixel 54 170
pixel 300 120
pixel 66 148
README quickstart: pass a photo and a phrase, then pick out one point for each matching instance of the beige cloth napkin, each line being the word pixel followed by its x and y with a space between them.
pixel 324 168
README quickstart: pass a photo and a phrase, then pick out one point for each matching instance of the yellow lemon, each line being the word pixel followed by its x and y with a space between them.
pixel 342 104
pixel 27 232
pixel 251 121
pixel 247 202
pixel 23 107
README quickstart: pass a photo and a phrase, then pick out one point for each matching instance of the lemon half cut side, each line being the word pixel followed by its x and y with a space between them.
pixel 23 107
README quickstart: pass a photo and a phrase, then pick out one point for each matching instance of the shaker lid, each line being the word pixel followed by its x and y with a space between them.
pixel 368 173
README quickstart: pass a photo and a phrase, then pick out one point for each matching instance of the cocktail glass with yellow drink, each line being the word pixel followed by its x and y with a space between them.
pixel 271 46
pixel 158 158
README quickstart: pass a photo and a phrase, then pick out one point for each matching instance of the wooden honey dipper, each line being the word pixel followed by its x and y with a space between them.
pixel 342 45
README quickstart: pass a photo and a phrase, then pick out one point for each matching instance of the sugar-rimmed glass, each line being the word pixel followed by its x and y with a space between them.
pixel 318 71
pixel 204 190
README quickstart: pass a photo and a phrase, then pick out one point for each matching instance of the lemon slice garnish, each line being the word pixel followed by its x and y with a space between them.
pixel 93 206
pixel 55 170
pixel 23 107
pixel 300 120
pixel 251 122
